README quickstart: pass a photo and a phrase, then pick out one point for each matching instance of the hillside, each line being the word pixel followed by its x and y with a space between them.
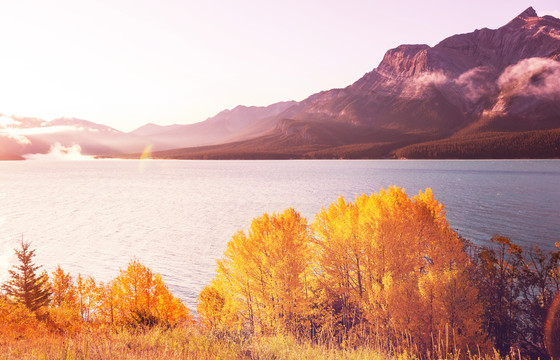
pixel 472 90
pixel 240 123
pixel 491 93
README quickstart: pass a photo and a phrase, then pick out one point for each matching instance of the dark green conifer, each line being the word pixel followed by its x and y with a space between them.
pixel 25 286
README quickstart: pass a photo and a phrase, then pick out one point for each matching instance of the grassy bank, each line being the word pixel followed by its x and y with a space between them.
pixel 189 343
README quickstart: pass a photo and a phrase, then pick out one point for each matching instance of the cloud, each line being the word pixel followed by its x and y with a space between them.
pixel 538 77
pixel 475 83
pixel 20 139
pixel 8 128
pixel 12 133
pixel 59 152
pixel 471 85
pixel 533 77
pixel 432 78
pixel 416 87
pixel 47 130
pixel 6 122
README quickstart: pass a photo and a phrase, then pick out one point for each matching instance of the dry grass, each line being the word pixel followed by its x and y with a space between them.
pixel 188 343
pixel 105 343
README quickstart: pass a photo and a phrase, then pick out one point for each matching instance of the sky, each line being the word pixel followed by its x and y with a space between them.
pixel 125 63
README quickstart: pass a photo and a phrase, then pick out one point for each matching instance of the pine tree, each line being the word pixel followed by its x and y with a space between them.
pixel 26 286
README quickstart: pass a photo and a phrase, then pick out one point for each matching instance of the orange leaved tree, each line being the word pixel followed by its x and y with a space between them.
pixel 263 280
pixel 62 288
pixel 138 296
pixel 391 265
pixel 386 265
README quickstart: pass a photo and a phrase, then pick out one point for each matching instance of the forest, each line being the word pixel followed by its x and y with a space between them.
pixel 382 277
pixel 540 144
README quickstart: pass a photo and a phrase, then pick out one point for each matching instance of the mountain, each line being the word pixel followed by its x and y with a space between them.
pixel 494 92
pixel 240 123
pixel 484 94
pixel 20 136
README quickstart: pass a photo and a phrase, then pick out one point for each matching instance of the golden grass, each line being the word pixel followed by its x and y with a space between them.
pixel 189 343
pixel 105 343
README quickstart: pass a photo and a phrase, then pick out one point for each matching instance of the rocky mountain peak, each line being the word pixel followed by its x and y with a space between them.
pixel 404 60
pixel 527 35
pixel 447 87
pixel 528 13
pixel 522 19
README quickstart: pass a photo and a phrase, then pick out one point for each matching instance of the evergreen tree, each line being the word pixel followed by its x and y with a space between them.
pixel 26 286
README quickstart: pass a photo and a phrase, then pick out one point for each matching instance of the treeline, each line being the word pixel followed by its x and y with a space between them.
pixel 386 269
pixel 61 303
pixel 532 144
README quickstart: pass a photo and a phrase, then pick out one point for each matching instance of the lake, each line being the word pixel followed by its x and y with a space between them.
pixel 92 217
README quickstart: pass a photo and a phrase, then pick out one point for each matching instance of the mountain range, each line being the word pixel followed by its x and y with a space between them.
pixel 485 94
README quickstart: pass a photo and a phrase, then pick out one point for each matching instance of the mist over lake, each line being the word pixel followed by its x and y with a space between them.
pixel 176 217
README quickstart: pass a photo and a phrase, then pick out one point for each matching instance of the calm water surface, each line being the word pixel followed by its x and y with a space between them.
pixel 92 217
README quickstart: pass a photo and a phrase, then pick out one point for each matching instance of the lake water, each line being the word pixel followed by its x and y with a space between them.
pixel 92 217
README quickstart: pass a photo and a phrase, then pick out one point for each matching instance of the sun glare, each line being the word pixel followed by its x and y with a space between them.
pixel 147 153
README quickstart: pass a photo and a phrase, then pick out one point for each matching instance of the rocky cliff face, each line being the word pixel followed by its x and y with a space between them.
pixel 453 87
pixel 526 36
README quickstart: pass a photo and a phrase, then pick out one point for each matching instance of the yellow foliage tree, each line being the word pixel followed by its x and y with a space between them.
pixel 63 293
pixel 386 264
pixel 392 265
pixel 210 307
pixel 17 321
pixel 263 279
pixel 341 262
pixel 139 296
pixel 86 297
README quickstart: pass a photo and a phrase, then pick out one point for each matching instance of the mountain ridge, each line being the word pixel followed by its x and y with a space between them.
pixel 486 85
pixel 487 81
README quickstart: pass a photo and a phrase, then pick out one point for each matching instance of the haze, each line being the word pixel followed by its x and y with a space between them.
pixel 127 63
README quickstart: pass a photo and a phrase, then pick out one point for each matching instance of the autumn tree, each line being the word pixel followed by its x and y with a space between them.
pixel 263 280
pixel 540 281
pixel 499 272
pixel 63 290
pixel 390 264
pixel 17 321
pixel 386 265
pixel 517 287
pixel 25 285
pixel 341 264
pixel 139 296
pixel 210 307
pixel 86 297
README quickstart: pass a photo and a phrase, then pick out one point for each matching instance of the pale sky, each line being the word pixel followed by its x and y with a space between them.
pixel 125 63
